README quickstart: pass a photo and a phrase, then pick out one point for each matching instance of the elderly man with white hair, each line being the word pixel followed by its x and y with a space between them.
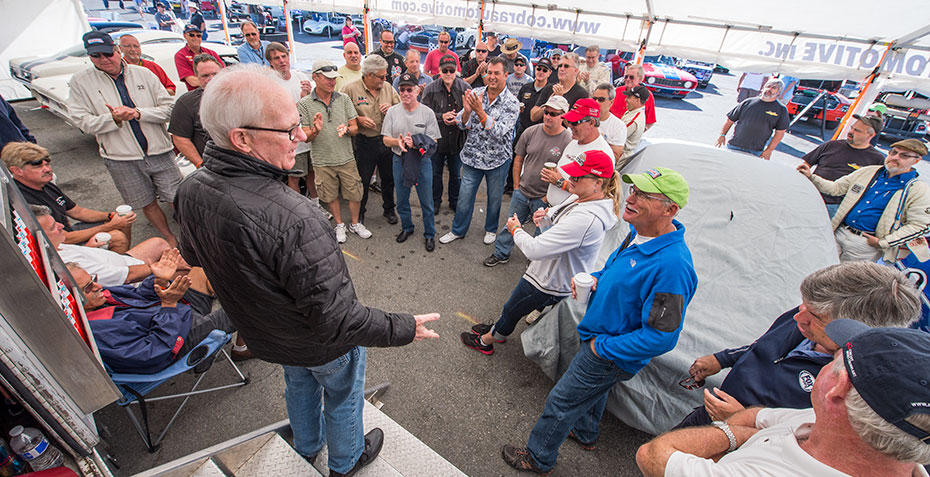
pixel 756 119
pixel 275 265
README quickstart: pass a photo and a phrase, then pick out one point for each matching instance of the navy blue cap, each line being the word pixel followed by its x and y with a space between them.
pixel 192 27
pixel 96 41
pixel 890 368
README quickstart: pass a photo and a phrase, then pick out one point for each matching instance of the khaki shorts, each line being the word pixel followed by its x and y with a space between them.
pixel 302 162
pixel 330 180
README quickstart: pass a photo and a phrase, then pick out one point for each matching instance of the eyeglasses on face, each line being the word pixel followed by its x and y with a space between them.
pixel 291 132
pixel 89 287
pixel 97 56
pixel 600 99
pixel 578 179
pixel 542 69
pixel 643 195
pixel 407 89
pixel 448 70
pixel 251 34
pixel 629 76
pixel 897 152
pixel 575 123
pixel 566 66
pixel 195 35
pixel 39 162
pixel 387 42
pixel 481 51
pixel 552 113
pixel 443 41
pixel 519 64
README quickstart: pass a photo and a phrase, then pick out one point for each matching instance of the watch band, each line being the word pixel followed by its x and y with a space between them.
pixel 726 430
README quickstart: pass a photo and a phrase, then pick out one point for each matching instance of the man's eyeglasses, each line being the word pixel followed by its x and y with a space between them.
pixel 326 69
pixel 566 66
pixel 38 162
pixel 407 89
pixel 630 76
pixel 519 64
pixel 251 34
pixel 89 288
pixel 448 70
pixel 291 132
pixel 97 56
pixel 575 123
pixel 578 179
pixel 443 41
pixel 690 383
pixel 898 152
pixel 600 99
pixel 481 51
pixel 195 35
pixel 387 42
pixel 381 77
pixel 552 113
pixel 542 69
pixel 643 195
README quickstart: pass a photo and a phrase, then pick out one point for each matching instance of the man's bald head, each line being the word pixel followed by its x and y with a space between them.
pixel 352 55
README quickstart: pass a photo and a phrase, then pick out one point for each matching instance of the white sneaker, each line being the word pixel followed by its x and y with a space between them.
pixel 341 233
pixel 449 237
pixel 489 238
pixel 360 230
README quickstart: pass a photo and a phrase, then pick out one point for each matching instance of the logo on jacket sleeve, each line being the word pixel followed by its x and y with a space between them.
pixel 806 380
pixel 857 188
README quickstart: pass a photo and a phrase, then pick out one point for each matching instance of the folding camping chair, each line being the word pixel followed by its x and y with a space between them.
pixel 136 386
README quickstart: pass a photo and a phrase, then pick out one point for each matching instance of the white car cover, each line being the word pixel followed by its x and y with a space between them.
pixel 755 229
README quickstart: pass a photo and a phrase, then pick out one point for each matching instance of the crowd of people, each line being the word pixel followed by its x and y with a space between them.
pixel 274 146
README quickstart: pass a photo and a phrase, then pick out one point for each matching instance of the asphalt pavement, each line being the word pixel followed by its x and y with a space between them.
pixel 463 404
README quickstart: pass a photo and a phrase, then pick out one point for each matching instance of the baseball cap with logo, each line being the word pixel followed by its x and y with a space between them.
pixel 663 181
pixel 98 42
pixel 407 79
pixel 872 121
pixel 557 102
pixel 639 91
pixel 447 60
pixel 914 145
pixel 583 108
pixel 191 27
pixel 890 368
pixel 595 162
pixel 545 63
pixel 325 68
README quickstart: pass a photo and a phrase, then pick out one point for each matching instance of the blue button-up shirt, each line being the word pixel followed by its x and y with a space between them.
pixel 865 214
pixel 120 82
pixel 249 55
pixel 490 146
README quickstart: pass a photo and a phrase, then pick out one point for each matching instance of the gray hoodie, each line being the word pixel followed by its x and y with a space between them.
pixel 568 247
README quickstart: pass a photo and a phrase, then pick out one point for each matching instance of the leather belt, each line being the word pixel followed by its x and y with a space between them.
pixel 856 231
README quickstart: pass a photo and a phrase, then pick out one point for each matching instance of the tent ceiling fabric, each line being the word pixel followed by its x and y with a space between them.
pixel 835 40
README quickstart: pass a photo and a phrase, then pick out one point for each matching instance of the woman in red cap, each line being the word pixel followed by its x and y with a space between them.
pixel 571 236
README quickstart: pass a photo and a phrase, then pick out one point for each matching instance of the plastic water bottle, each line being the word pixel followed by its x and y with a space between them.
pixel 32 446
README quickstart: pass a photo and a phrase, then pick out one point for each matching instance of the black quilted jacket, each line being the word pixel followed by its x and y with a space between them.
pixel 275 265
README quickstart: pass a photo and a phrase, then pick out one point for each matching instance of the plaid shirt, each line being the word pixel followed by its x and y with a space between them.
pixel 489 146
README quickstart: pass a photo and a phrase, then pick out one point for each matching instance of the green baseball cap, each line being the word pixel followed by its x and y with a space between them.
pixel 663 181
pixel 879 107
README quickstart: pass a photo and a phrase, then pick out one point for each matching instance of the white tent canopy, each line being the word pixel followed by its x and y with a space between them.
pixel 824 40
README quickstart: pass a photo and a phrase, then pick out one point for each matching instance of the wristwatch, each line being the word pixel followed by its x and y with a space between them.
pixel 559 183
pixel 726 430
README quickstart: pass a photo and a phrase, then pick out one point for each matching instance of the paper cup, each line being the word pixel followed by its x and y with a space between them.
pixel 104 239
pixel 124 210
pixel 550 165
pixel 583 283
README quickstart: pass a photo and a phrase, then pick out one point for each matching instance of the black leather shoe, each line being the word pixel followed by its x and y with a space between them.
pixel 430 245
pixel 374 440
pixel 390 216
pixel 402 236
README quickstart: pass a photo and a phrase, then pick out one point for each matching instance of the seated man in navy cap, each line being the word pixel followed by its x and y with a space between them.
pixel 870 416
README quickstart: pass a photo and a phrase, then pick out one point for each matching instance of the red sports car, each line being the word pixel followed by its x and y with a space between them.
pixel 837 105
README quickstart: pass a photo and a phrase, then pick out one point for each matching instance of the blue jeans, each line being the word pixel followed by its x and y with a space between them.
pixel 424 187
pixel 524 208
pixel 742 149
pixel 524 299
pixel 471 179
pixel 340 384
pixel 454 164
pixel 576 403
pixel 831 209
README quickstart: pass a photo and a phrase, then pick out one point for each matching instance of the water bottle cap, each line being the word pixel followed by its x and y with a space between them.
pixel 16 431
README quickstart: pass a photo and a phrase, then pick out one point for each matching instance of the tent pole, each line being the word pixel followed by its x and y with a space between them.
pixel 368 40
pixel 481 22
pixel 292 46
pixel 863 90
pixel 222 5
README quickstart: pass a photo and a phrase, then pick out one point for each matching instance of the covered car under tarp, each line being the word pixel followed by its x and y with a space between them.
pixel 755 229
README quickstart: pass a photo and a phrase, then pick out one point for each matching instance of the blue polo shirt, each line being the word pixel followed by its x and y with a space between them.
pixel 865 214
pixel 249 55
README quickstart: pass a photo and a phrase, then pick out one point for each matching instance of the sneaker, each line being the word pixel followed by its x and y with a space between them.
pixel 374 441
pixel 489 238
pixel 586 446
pixel 473 341
pixel 493 260
pixel 340 233
pixel 519 458
pixel 360 230
pixel 485 328
pixel 449 237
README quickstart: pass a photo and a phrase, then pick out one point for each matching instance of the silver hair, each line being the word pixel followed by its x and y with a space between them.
pixel 864 291
pixel 639 70
pixel 373 64
pixel 572 56
pixel 593 48
pixel 40 210
pixel 611 92
pixel 236 97
pixel 880 434
pixel 780 83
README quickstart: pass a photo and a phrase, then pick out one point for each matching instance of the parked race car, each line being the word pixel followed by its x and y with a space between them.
pixel 837 105
pixel 701 70
pixel 663 78
pixel 428 39
pixel 907 115
pixel 329 24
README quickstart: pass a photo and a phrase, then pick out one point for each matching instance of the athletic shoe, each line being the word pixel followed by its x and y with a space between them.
pixel 519 458
pixel 585 446
pixel 360 230
pixel 473 341
pixel 493 260
pixel 489 238
pixel 374 441
pixel 449 237
pixel 485 328
pixel 341 233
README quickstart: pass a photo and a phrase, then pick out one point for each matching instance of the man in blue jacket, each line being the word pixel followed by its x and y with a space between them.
pixel 779 368
pixel 636 313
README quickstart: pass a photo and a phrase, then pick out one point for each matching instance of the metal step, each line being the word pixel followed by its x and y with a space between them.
pixel 266 452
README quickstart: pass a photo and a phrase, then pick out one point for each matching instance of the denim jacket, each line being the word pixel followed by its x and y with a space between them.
pixel 490 146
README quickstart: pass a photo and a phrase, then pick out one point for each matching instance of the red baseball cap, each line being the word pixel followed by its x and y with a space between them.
pixel 590 162
pixel 583 108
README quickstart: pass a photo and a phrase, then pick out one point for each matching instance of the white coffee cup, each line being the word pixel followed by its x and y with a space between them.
pixel 104 239
pixel 583 283
pixel 550 165
pixel 124 210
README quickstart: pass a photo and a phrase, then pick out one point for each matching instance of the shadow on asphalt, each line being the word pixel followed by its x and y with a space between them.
pixel 679 104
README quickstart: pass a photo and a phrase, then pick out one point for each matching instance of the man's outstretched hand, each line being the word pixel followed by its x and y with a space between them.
pixel 422 331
